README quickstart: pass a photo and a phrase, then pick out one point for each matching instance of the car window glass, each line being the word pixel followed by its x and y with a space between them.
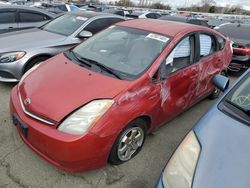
pixel 32 17
pixel 241 96
pixel 221 42
pixel 7 17
pixel 73 8
pixel 65 25
pixel 180 57
pixel 100 24
pixel 62 7
pixel 150 15
pixel 237 102
pixel 207 45
pixel 128 51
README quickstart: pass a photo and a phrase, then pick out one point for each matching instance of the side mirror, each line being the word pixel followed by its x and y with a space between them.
pixel 85 34
pixel 221 82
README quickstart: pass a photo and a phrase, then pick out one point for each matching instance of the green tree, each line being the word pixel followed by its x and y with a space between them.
pixel 125 3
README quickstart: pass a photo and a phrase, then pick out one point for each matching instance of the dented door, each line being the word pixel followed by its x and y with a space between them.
pixel 177 90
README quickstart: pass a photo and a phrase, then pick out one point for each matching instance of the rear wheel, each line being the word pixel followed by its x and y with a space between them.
pixel 129 142
pixel 34 62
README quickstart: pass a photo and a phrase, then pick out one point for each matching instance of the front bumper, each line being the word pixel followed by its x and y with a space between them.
pixel 12 72
pixel 71 153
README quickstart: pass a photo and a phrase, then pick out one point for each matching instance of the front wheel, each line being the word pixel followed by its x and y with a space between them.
pixel 129 142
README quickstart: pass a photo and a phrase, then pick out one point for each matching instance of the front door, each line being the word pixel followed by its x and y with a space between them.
pixel 180 75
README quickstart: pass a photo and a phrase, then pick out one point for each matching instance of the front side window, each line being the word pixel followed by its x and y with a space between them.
pixel 7 17
pixel 65 25
pixel 127 51
pixel 207 45
pixel 181 55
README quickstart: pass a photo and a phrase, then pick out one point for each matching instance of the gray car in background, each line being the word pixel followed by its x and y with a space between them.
pixel 14 17
pixel 19 51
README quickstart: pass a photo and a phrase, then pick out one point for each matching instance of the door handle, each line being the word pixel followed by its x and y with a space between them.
pixel 10 28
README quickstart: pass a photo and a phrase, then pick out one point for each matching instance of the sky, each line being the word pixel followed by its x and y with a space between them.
pixel 245 4
pixel 179 3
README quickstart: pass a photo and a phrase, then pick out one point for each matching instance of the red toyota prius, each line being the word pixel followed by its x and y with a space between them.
pixel 95 103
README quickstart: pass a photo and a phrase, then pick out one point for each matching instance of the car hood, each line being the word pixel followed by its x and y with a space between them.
pixel 58 87
pixel 28 39
pixel 224 159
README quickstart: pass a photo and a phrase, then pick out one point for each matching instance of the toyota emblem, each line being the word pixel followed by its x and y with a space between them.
pixel 27 101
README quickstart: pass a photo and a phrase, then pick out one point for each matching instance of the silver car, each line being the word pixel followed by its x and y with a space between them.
pixel 19 51
pixel 13 18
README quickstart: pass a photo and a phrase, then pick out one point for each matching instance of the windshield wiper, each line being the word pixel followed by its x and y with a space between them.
pixel 79 59
pixel 107 69
pixel 246 111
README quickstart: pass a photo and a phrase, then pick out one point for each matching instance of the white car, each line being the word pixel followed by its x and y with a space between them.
pixel 137 14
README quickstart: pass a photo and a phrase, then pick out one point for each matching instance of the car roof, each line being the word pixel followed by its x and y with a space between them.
pixel 164 27
pixel 23 7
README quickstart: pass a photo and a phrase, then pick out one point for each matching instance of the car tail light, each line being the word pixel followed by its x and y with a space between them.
pixel 241 50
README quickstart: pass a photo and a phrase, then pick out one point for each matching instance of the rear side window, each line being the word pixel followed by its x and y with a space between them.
pixel 221 42
pixel 152 15
pixel 32 17
pixel 207 45
pixel 62 7
pixel 7 17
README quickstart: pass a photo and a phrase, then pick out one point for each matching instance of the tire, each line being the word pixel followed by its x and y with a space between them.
pixel 34 62
pixel 216 92
pixel 119 154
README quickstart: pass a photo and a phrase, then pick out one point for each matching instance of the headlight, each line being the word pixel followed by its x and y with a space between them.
pixel 180 169
pixel 83 119
pixel 11 57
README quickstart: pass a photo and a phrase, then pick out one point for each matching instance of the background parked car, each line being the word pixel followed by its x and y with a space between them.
pixel 19 51
pixel 240 35
pixel 215 153
pixel 20 2
pixel 138 14
pixel 185 20
pixel 13 18
pixel 58 8
pixel 116 11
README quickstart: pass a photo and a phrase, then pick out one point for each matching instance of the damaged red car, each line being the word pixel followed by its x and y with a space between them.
pixel 96 103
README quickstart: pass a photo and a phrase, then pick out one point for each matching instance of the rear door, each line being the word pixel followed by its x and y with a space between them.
pixel 30 19
pixel 210 63
pixel 8 20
